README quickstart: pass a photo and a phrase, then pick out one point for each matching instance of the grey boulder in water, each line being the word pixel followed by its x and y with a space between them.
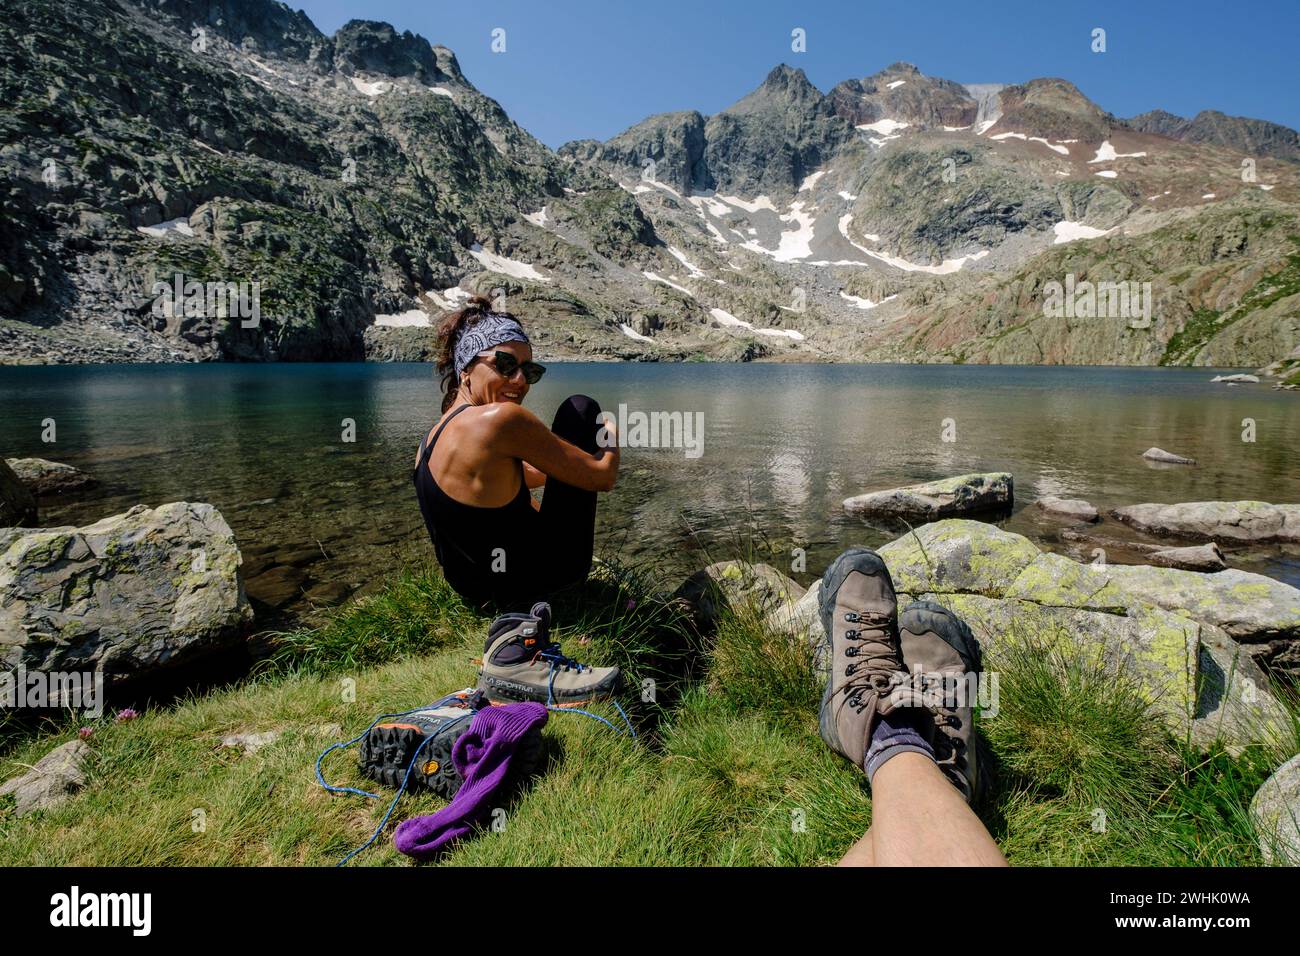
pixel 1166 457
pixel 946 498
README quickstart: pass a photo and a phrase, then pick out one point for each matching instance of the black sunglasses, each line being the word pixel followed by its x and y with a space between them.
pixel 506 364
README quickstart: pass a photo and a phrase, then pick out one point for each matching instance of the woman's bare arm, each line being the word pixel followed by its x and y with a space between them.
pixel 532 477
pixel 519 433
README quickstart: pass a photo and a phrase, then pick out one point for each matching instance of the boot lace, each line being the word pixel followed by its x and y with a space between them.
pixel 876 672
pixel 551 654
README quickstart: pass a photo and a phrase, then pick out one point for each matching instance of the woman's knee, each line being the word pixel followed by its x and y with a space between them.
pixel 577 420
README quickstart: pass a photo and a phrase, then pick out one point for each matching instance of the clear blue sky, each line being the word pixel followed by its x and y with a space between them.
pixel 591 68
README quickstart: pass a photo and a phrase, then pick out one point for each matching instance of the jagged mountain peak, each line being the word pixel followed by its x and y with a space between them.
pixel 376 47
pixel 899 67
pixel 902 92
pixel 783 87
pixel 1053 108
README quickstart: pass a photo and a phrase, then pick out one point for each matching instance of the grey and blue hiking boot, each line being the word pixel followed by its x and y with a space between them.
pixel 858 616
pixel 943 658
pixel 521 662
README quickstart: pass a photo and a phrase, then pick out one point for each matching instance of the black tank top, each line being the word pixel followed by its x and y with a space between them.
pixel 465 537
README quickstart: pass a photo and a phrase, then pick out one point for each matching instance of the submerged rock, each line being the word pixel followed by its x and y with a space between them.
pixel 52 779
pixel 127 595
pixel 17 503
pixel 964 494
pixel 1075 509
pixel 1201 557
pixel 45 477
pixel 1256 522
pixel 1166 457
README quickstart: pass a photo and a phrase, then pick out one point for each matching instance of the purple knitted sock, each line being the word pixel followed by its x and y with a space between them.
pixel 482 757
pixel 896 733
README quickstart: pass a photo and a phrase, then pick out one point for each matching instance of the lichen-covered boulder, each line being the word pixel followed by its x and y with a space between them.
pixel 1249 607
pixel 1175 632
pixel 958 555
pixel 17 503
pixel 736 585
pixel 127 595
pixel 45 477
pixel 945 498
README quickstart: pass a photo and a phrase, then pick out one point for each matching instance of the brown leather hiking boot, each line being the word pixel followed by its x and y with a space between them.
pixel 858 618
pixel 943 658
pixel 521 662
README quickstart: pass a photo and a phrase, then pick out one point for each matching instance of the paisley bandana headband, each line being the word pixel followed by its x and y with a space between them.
pixel 494 328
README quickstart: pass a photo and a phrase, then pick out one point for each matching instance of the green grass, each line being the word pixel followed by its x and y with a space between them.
pixel 728 770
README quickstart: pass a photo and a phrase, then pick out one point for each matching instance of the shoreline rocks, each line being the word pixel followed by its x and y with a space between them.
pixel 1249 522
pixel 1201 557
pixel 1183 635
pixel 17 503
pixel 128 595
pixel 1070 509
pixel 947 497
pixel 44 477
pixel 710 591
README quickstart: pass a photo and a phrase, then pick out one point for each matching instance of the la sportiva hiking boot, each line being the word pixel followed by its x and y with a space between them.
pixel 941 654
pixel 416 748
pixel 858 618
pixel 521 662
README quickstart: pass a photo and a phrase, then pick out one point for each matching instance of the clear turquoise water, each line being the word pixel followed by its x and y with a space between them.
pixel 319 518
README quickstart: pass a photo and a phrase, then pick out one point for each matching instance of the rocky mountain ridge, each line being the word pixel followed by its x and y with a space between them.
pixel 352 187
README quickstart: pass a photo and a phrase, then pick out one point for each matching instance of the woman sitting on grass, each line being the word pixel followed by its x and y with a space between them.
pixel 474 469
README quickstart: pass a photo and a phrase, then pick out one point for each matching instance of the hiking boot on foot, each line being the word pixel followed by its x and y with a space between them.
pixel 858 606
pixel 520 662
pixel 940 651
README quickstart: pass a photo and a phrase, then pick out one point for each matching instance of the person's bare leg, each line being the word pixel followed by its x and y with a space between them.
pixel 861 853
pixel 918 818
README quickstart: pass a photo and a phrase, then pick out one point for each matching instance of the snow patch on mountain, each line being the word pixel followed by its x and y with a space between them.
pixel 1063 150
pixel 179 226
pixel 632 333
pixel 376 88
pixel 1106 153
pixel 506 265
pixel 414 318
pixel 1067 231
pixel 655 277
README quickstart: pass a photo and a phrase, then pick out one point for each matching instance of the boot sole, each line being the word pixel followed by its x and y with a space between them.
pixel 865 561
pixel 387 751
pixel 434 769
